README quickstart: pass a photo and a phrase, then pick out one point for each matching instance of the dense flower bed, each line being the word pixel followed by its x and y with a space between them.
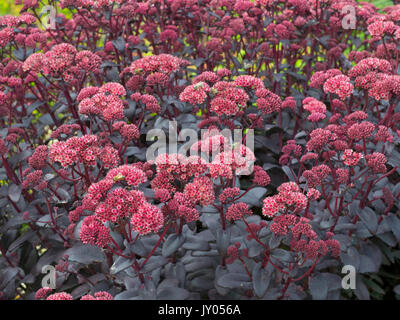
pixel 320 102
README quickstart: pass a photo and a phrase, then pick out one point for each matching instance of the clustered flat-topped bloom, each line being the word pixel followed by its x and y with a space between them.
pixel 201 191
pixel 384 87
pixel 219 156
pixel 211 77
pixel 65 129
pixel 333 81
pixel 351 158
pixel 97 4
pixel 316 175
pixel 13 21
pixel 128 131
pixel 114 199
pixel 380 28
pixel 34 179
pixel 85 149
pixel 230 97
pixel 236 160
pixel 318 78
pixel 43 293
pixel 303 238
pixel 247 81
pixel 94 232
pixel 100 295
pixel 377 162
pixel 150 102
pixel 60 296
pixel 316 108
pixel 212 141
pixel 181 206
pixel 96 98
pixel 355 116
pixel 195 93
pixel 359 131
pixel 63 60
pixel 20 30
pixel 172 166
pixel 104 101
pixel 339 85
pixel 368 65
pixel 38 159
pixel 164 63
pixel 319 138
pixel 290 150
pixel 261 177
pixel 289 197
pixel 237 211
pixel 375 75
pixel 268 102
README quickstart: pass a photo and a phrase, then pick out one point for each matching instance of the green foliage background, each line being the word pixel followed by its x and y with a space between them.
pixel 8 6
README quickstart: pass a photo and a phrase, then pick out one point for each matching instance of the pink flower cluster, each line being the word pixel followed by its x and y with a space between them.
pixel 228 98
pixel 66 129
pixel 34 179
pixel 60 296
pixel 38 159
pixel 147 219
pixel 316 108
pixel 319 77
pixel 379 28
pixel 316 175
pixel 100 295
pixel 195 93
pixel 228 193
pixel 150 102
pixel 201 191
pixel 261 177
pixel 268 102
pixel 164 63
pixel 290 149
pixel 63 60
pixel 176 166
pixel 339 85
pixel 182 206
pixel 377 162
pixel 318 139
pixel 114 204
pixel 304 239
pixel 43 293
pixel 361 130
pixel 93 232
pixel 212 141
pixel 237 211
pixel 351 158
pixel 374 75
